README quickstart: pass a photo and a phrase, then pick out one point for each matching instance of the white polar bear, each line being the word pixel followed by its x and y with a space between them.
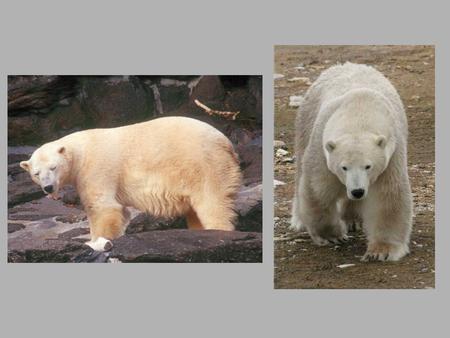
pixel 171 166
pixel 352 142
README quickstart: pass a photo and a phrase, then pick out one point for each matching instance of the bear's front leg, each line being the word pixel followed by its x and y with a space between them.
pixel 106 223
pixel 319 215
pixel 387 223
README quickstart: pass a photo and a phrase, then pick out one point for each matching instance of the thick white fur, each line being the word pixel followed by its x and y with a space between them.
pixel 171 166
pixel 353 116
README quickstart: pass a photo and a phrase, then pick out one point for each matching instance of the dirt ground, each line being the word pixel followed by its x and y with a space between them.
pixel 298 262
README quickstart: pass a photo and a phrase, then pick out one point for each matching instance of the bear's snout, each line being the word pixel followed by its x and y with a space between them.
pixel 358 193
pixel 48 189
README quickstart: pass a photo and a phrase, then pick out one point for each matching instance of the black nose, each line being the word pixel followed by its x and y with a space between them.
pixel 48 189
pixel 358 193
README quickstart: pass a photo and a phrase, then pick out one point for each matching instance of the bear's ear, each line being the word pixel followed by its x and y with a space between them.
pixel 330 146
pixel 25 165
pixel 381 141
pixel 61 150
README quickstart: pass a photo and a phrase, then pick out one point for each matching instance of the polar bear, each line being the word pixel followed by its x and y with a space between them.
pixel 351 138
pixel 168 167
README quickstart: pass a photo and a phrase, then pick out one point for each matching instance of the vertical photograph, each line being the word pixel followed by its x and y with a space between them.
pixel 354 157
pixel 149 168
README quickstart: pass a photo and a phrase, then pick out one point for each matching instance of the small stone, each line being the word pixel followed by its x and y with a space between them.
pixel 278 76
pixel 279 144
pixel 303 80
pixel 295 101
pixel 281 153
pixel 287 160
pixel 343 266
pixel 278 183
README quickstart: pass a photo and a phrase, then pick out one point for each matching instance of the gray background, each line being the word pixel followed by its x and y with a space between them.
pixel 211 300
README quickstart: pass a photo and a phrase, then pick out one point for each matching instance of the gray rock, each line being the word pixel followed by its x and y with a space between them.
pixel 209 89
pixel 17 154
pixel 114 103
pixel 189 246
pixel 37 94
pixel 12 227
pixel 279 144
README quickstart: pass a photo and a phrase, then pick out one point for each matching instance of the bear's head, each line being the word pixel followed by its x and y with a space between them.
pixel 48 167
pixel 358 160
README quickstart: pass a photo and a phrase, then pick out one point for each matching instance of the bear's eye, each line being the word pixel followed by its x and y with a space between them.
pixel 36 174
pixel 368 167
pixel 344 168
pixel 53 168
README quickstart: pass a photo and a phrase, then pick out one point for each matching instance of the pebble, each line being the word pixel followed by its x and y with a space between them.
pixel 277 183
pixel 279 144
pixel 278 76
pixel 281 152
pixel 343 266
pixel 303 80
pixel 295 101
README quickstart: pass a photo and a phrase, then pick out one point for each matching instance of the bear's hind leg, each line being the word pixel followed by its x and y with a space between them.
pixel 193 221
pixel 215 213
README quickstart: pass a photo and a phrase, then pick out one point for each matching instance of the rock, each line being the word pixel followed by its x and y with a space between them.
pixel 277 76
pixel 115 101
pixel 12 227
pixel 249 208
pixel 22 189
pixel 38 94
pixel 295 101
pixel 287 160
pixel 47 240
pixel 250 156
pixel 279 144
pixel 173 94
pixel 302 80
pixel 277 183
pixel 189 246
pixel 241 136
pixel 281 152
pixel 247 198
pixel 255 89
pixel 209 90
pixel 26 129
pixel 44 208
pixel 17 154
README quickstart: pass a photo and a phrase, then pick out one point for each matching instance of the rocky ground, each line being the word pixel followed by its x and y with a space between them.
pixel 298 262
pixel 45 108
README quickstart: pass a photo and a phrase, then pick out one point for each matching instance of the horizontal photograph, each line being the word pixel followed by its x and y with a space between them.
pixel 354 155
pixel 149 168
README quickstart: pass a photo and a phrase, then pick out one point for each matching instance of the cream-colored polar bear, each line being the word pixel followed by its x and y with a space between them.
pixel 351 147
pixel 171 166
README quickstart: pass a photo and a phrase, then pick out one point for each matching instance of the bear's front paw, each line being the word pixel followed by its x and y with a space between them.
pixel 385 252
pixel 100 244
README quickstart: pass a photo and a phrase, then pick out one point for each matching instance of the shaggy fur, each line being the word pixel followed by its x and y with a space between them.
pixel 351 132
pixel 168 167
